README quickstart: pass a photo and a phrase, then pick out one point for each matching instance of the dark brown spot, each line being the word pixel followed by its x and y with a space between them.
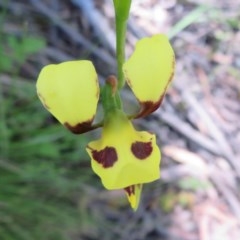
pixel 130 190
pixel 80 127
pixel 149 107
pixel 141 150
pixel 106 157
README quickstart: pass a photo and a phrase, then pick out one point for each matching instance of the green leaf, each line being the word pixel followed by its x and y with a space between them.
pixel 32 45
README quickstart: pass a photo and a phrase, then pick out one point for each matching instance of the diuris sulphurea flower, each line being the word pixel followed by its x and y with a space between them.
pixel 123 158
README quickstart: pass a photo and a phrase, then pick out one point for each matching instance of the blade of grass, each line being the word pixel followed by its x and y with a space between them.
pixel 189 19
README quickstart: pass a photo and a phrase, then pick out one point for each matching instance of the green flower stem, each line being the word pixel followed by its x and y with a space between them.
pixel 121 33
pixel 110 96
pixel 122 8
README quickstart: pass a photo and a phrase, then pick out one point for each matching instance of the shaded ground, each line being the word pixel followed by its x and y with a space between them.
pixel 198 125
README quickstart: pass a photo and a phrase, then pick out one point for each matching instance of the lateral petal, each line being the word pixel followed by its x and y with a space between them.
pixel 70 92
pixel 149 71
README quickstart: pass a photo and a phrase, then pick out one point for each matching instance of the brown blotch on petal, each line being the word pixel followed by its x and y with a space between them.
pixel 141 150
pixel 80 127
pixel 130 190
pixel 106 157
pixel 149 107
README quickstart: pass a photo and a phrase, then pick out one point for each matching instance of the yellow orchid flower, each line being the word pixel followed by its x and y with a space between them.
pixel 149 71
pixel 70 92
pixel 123 158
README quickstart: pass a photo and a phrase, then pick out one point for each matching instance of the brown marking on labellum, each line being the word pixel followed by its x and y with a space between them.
pixel 130 190
pixel 141 150
pixel 80 127
pixel 43 100
pixel 106 157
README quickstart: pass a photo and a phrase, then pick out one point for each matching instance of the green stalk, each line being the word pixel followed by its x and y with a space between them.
pixel 110 95
pixel 122 8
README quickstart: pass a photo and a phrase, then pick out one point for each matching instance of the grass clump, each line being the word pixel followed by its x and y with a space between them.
pixel 42 166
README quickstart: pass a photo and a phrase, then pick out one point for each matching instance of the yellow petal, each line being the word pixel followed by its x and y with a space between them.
pixel 70 91
pixel 149 71
pixel 124 157
pixel 134 195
